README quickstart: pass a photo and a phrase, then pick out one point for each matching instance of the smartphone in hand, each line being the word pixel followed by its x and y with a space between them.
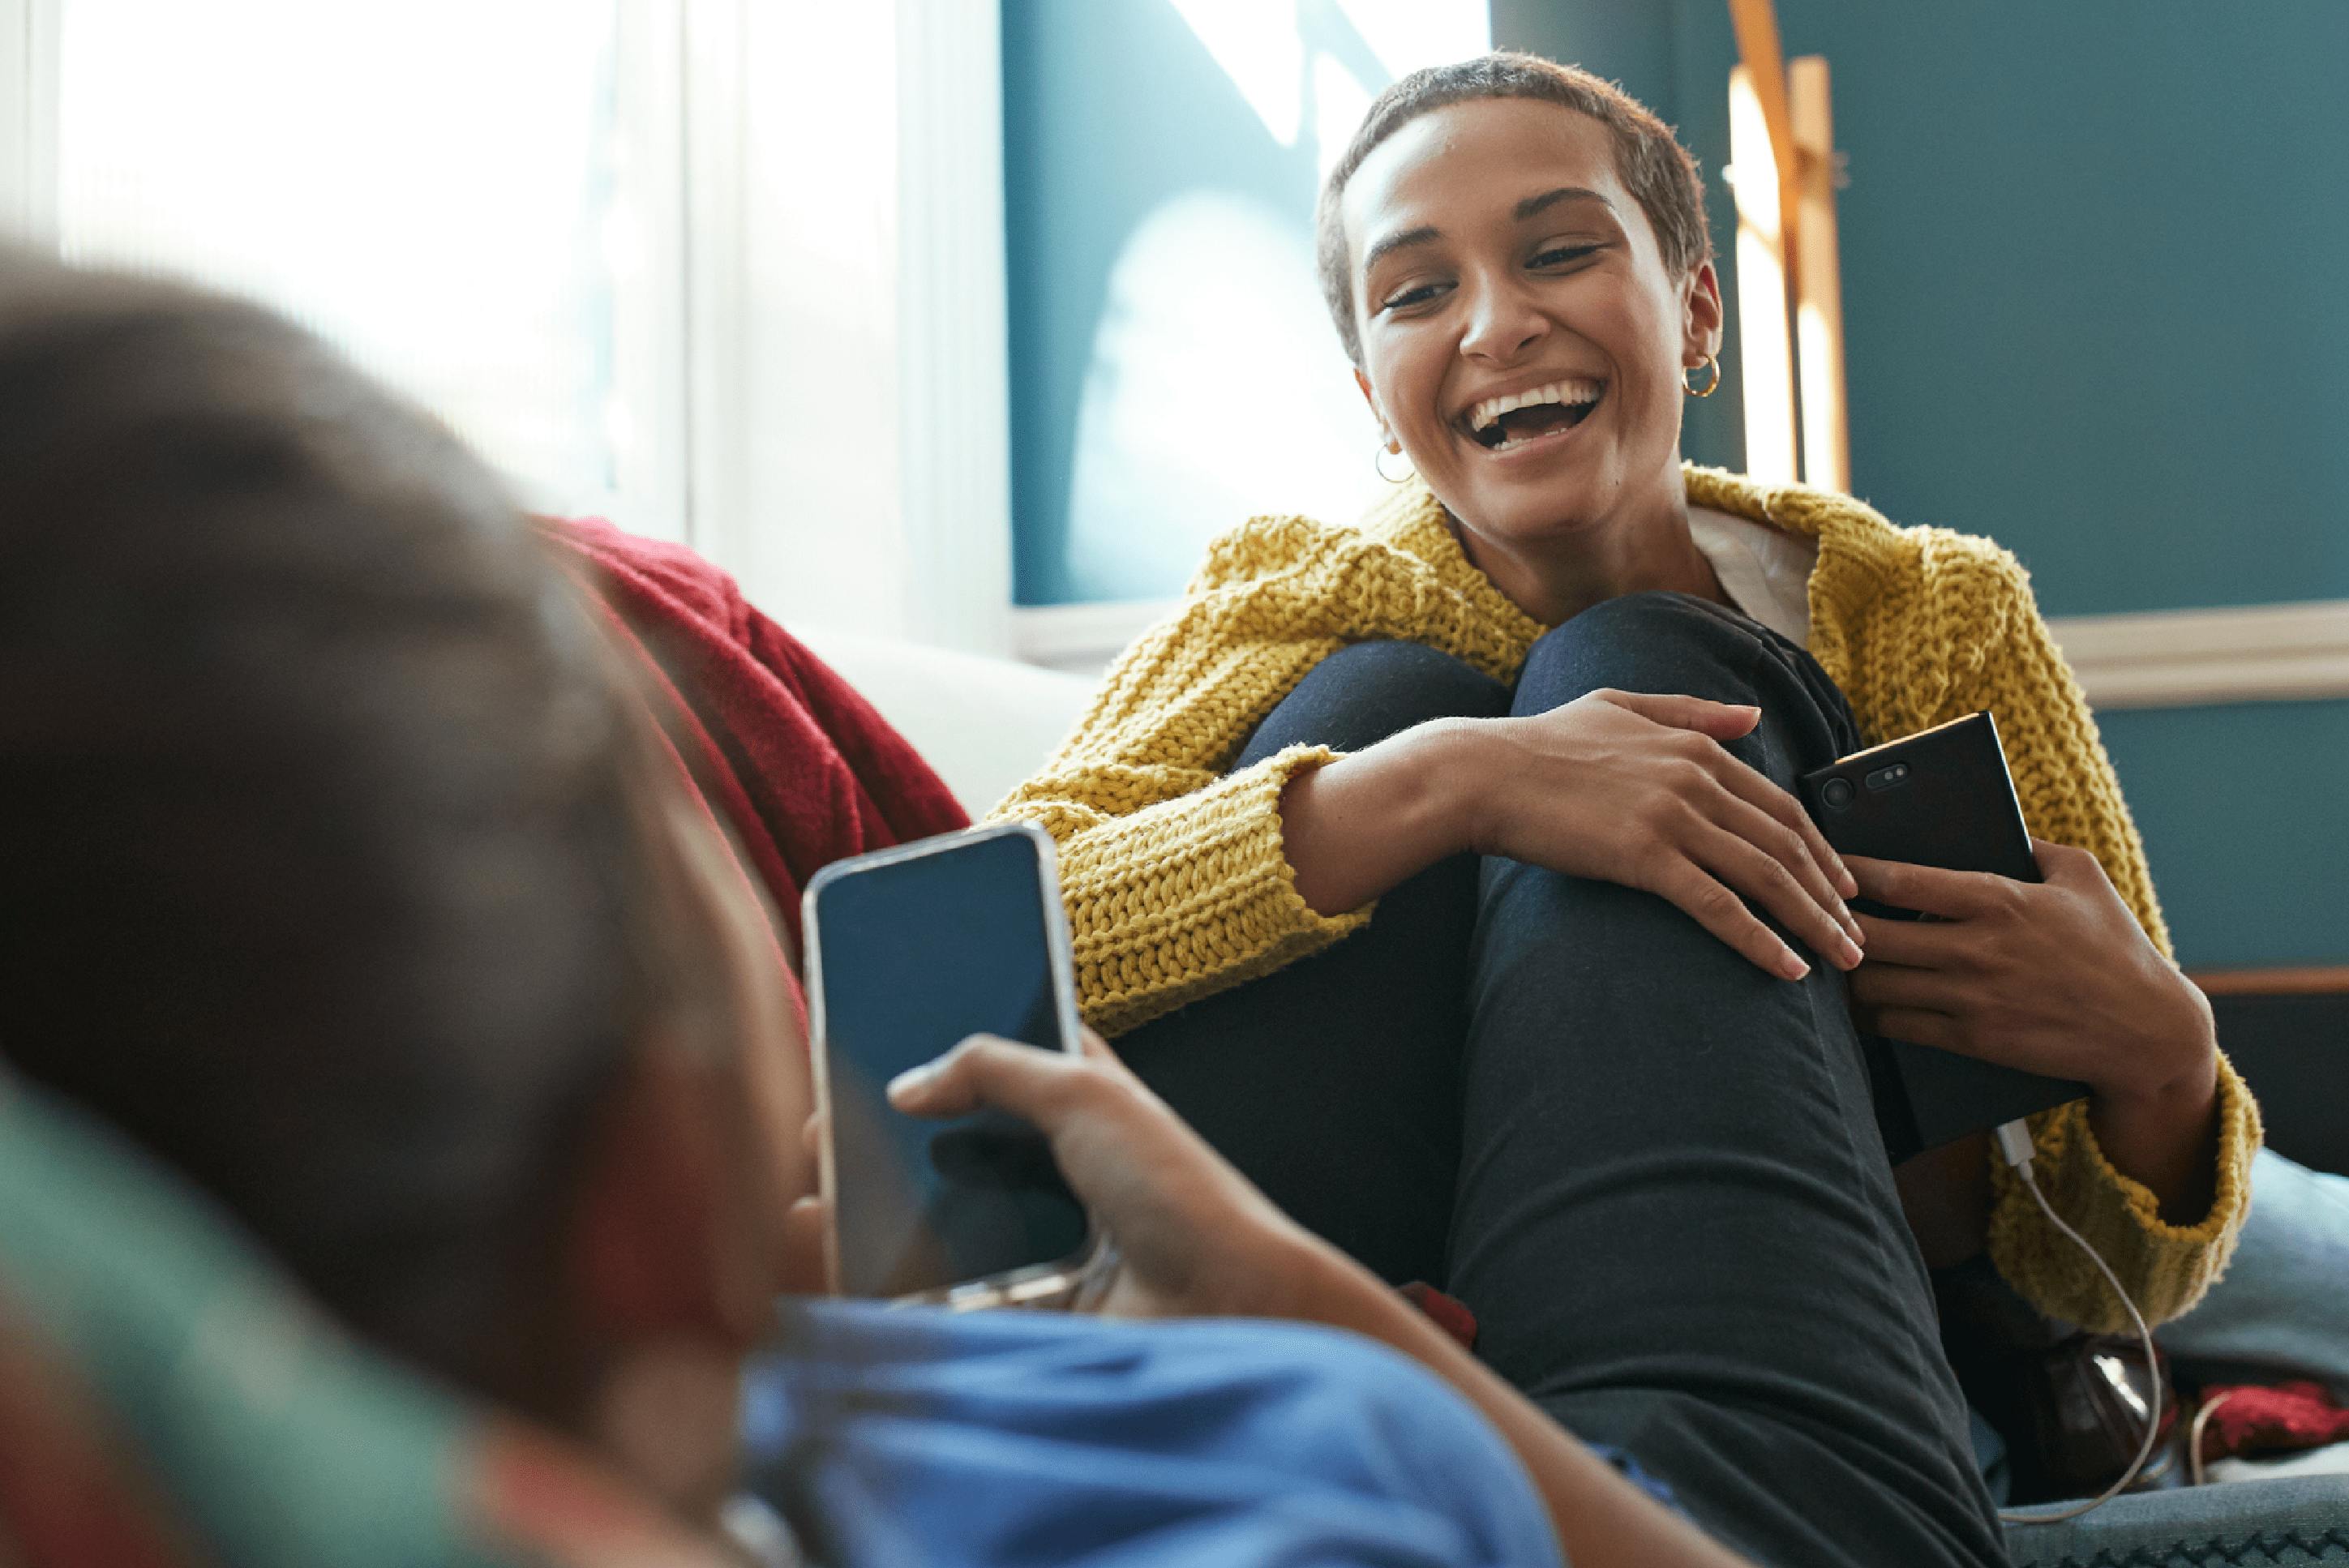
pixel 1942 797
pixel 909 950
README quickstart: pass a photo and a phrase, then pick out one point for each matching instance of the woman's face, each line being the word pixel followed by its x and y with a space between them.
pixel 1497 258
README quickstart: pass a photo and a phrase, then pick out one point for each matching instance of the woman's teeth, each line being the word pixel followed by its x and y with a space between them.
pixel 1574 397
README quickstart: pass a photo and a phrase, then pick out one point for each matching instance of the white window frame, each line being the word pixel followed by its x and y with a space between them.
pixel 29 119
pixel 850 463
pixel 849 385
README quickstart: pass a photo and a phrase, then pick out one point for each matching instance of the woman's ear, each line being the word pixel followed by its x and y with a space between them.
pixel 1386 432
pixel 1700 315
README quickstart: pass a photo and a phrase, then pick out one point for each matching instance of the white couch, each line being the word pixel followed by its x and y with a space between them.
pixel 984 724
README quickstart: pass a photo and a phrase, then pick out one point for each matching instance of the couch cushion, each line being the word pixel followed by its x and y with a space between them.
pixel 984 724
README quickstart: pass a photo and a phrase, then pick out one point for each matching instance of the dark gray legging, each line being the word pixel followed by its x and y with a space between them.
pixel 1649 1168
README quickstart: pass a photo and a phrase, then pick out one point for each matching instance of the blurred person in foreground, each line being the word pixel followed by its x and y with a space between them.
pixel 345 877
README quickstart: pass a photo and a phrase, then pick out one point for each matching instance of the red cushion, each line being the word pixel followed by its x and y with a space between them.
pixel 800 767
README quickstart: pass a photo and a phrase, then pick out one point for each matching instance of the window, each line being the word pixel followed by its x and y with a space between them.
pixel 478 203
pixel 726 270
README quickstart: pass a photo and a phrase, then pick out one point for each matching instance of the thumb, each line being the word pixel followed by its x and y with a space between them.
pixel 1721 720
pixel 984 1071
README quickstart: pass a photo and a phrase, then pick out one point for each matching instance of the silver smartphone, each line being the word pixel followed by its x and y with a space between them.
pixel 909 950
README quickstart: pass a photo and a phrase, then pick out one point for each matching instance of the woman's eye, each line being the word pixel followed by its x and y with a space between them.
pixel 1562 255
pixel 1418 294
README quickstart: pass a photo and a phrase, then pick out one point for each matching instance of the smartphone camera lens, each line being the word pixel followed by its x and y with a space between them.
pixel 1837 793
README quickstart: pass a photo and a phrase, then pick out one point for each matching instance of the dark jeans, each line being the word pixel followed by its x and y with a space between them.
pixel 1650 1168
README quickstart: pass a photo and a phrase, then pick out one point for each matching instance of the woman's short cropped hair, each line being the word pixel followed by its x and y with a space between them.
pixel 1656 169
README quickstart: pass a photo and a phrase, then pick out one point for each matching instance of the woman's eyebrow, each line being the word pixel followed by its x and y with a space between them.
pixel 1387 243
pixel 1533 205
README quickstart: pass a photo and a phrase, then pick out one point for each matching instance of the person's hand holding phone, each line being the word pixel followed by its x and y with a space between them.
pixel 2054 977
pixel 1193 1238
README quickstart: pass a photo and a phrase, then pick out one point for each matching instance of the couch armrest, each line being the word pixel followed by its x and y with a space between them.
pixel 2297 1520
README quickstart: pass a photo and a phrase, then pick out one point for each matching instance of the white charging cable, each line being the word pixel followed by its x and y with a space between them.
pixel 2015 1147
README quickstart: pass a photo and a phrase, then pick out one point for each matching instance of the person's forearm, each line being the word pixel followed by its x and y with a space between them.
pixel 1601 1518
pixel 1360 826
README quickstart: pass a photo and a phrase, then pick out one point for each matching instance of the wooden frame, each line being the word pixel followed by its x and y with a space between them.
pixel 2317 981
pixel 1783 171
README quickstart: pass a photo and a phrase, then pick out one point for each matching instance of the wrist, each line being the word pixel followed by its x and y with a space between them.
pixel 1456 764
pixel 2176 1060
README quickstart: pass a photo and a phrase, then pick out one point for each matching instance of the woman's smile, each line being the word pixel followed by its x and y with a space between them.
pixel 1541 417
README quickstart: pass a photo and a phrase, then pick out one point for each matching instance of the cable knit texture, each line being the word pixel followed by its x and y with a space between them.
pixel 1178 886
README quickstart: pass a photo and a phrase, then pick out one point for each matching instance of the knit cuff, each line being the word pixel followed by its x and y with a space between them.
pixel 2166 1267
pixel 1191 897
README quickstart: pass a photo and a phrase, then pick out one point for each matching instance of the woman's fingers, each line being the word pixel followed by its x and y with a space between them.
pixel 1922 1026
pixel 1713 905
pixel 1789 847
pixel 1721 720
pixel 1915 944
pixel 1931 890
pixel 1882 985
pixel 1752 787
pixel 1761 876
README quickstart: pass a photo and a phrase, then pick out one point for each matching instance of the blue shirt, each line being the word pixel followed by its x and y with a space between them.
pixel 1014 1439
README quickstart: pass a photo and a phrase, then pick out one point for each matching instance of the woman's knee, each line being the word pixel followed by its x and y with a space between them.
pixel 1365 692
pixel 1654 641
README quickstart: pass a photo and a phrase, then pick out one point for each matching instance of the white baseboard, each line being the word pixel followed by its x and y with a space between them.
pixel 2161 658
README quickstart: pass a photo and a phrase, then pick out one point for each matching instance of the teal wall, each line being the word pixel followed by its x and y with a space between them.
pixel 2088 254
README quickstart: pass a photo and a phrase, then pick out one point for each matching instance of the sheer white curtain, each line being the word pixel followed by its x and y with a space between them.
pixel 477 202
pixel 727 271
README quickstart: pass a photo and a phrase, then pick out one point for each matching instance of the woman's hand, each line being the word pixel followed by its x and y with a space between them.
pixel 2054 977
pixel 1638 789
pixel 1193 1237
pixel 1615 785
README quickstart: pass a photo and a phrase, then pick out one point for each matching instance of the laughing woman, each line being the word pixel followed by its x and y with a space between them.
pixel 1442 869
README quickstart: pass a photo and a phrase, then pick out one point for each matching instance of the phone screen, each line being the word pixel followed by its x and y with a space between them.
pixel 914 955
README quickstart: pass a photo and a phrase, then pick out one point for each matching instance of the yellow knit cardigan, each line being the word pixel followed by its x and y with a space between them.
pixel 1177 884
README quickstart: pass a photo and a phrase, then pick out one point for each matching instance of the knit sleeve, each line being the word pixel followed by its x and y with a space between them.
pixel 2070 795
pixel 1175 874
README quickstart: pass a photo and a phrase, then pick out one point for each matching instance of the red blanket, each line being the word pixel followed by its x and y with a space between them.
pixel 2246 1419
pixel 800 767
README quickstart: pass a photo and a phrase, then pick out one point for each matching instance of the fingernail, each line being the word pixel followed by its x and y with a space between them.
pixel 912 1079
pixel 1852 956
pixel 1792 966
pixel 1848 884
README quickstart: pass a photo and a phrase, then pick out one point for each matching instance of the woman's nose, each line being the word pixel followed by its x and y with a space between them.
pixel 1503 324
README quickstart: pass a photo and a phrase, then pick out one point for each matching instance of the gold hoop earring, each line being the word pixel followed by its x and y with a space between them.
pixel 1379 463
pixel 1711 386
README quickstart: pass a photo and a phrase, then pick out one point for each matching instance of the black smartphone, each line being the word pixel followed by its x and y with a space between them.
pixel 909 950
pixel 1942 797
